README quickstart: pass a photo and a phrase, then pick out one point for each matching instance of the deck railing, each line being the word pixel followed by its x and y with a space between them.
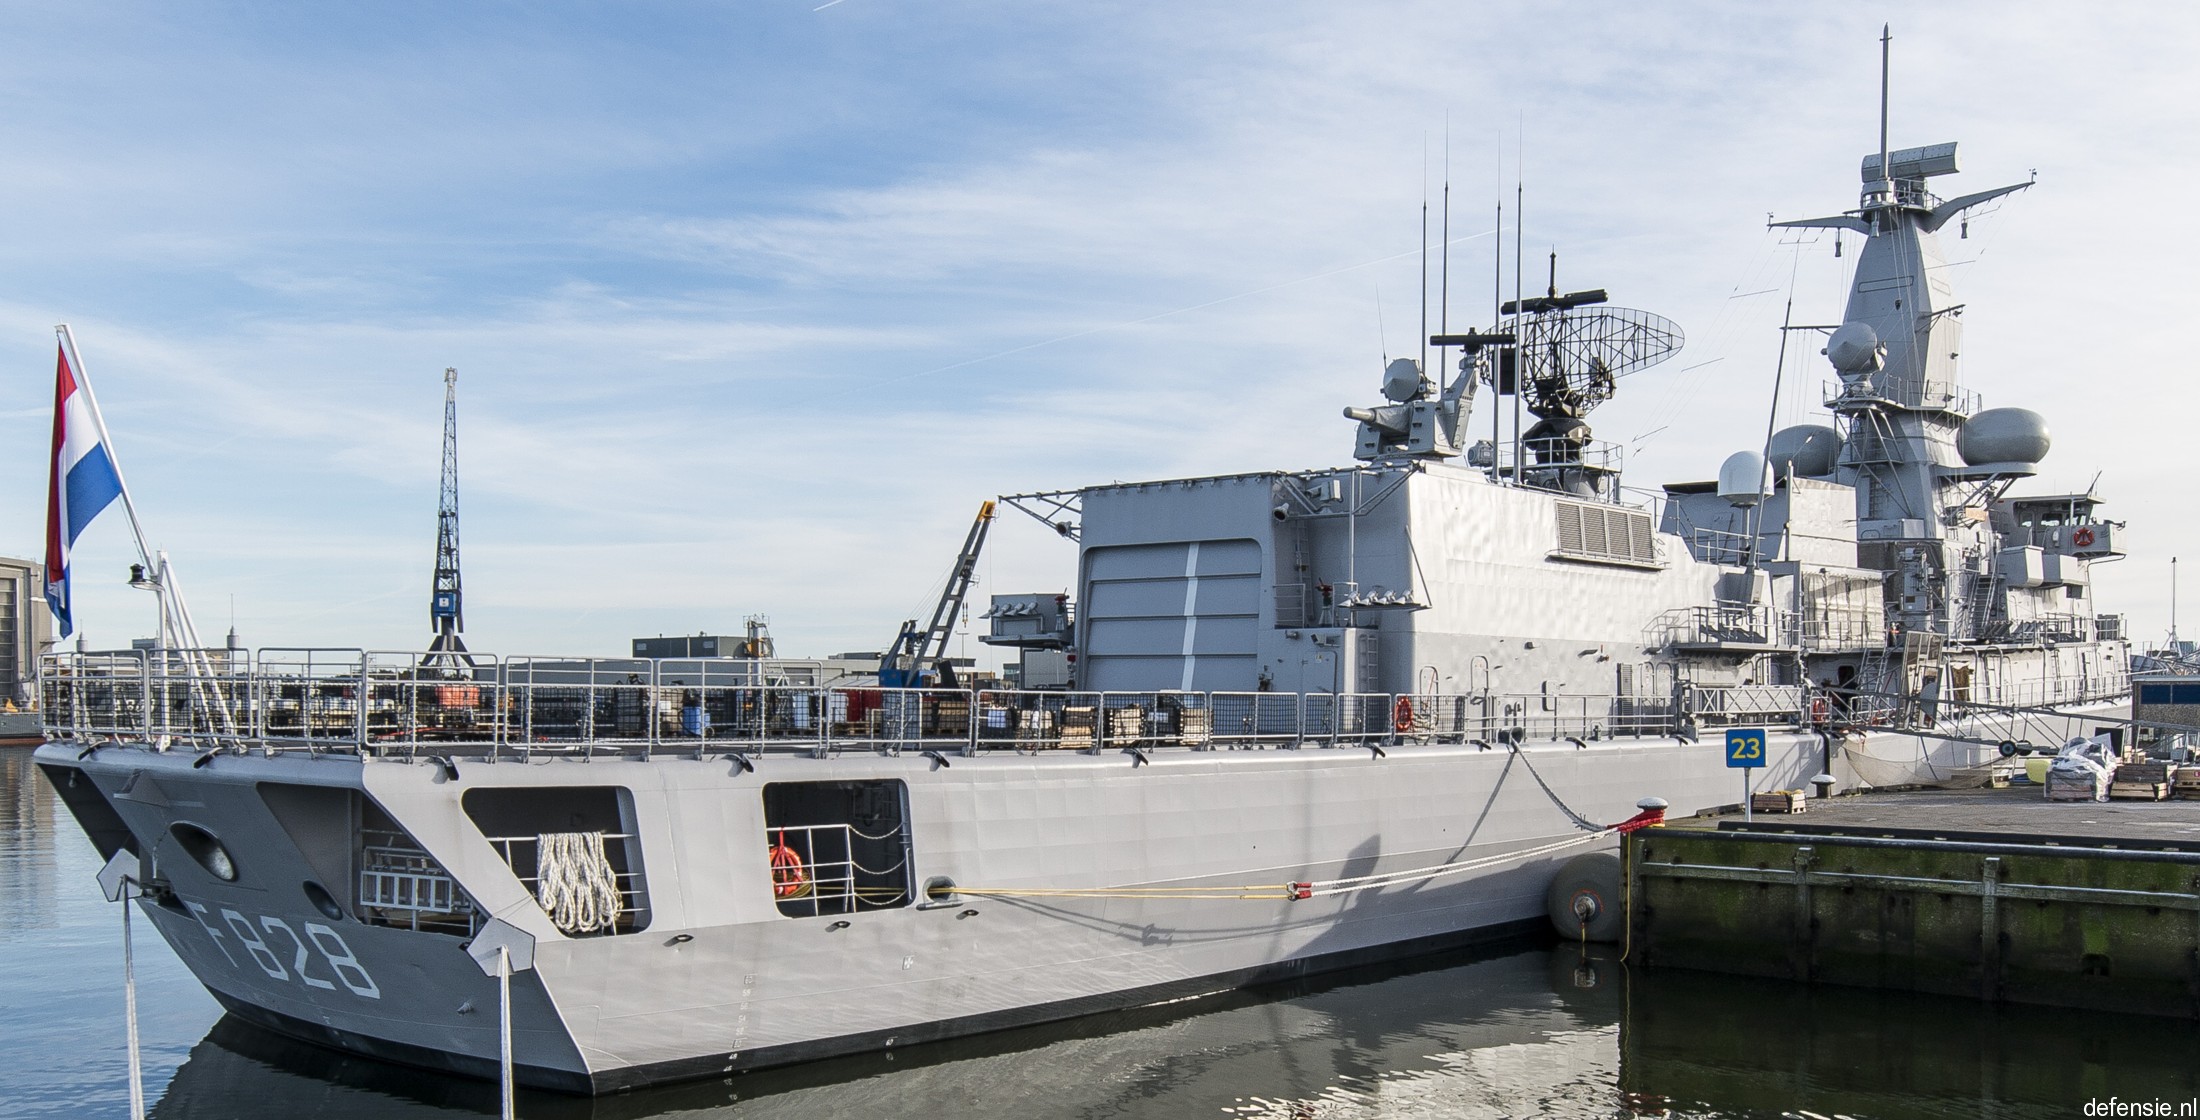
pixel 379 703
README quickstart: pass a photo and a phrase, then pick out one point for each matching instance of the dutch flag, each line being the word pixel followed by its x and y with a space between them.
pixel 84 479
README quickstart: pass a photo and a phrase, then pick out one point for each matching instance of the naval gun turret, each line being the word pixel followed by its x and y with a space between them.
pixel 1421 420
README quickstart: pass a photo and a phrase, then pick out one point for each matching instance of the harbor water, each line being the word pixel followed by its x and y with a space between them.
pixel 1513 1030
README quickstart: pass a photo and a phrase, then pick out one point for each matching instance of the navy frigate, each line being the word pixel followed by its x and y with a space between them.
pixel 1286 722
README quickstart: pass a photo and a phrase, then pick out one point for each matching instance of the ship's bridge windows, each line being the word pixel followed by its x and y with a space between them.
pixel 837 847
pixel 575 848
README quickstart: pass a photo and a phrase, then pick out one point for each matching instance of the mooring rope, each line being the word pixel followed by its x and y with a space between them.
pixel 1316 888
pixel 575 883
pixel 1580 822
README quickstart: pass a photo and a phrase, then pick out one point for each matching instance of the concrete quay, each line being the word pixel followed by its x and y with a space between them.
pixel 1992 893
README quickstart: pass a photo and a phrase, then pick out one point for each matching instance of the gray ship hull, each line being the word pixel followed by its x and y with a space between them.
pixel 720 980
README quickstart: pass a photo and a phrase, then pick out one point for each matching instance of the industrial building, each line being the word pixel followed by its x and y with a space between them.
pixel 26 631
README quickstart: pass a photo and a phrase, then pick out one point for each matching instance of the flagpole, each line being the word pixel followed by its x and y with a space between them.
pixel 175 615
pixel 84 382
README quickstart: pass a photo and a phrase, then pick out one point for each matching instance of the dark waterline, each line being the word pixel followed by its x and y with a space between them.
pixel 1518 1031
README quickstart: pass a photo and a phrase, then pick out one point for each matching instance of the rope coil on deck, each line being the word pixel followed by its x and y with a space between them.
pixel 575 882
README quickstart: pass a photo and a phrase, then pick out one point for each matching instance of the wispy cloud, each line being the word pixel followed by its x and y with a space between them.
pixel 751 304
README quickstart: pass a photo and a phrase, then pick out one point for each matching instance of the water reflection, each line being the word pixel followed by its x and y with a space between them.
pixel 1489 1036
pixel 1759 1047
pixel 61 1025
pixel 27 833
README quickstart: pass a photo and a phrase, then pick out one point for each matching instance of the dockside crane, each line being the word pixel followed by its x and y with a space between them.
pixel 448 650
pixel 913 650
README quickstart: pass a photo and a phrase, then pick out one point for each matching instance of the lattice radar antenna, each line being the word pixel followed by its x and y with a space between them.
pixel 1572 355
pixel 1564 356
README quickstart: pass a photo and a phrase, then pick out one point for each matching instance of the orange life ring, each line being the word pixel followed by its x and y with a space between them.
pixel 789 878
pixel 1818 709
pixel 1401 714
pixel 2082 537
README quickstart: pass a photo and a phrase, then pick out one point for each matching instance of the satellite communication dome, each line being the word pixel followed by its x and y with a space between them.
pixel 1742 479
pixel 1806 450
pixel 2003 435
pixel 1855 348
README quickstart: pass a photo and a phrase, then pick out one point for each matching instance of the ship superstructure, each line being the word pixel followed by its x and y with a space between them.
pixel 1982 594
pixel 1304 719
pixel 1863 565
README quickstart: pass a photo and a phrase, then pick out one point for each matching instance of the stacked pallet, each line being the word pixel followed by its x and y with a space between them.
pixel 1078 724
pixel 1035 730
pixel 1194 726
pixel 2073 787
pixel 1994 776
pixel 1777 801
pixel 949 717
pixel 2185 783
pixel 2140 781
pixel 1126 726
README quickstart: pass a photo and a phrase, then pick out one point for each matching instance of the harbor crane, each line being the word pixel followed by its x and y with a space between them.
pixel 447 650
pixel 914 651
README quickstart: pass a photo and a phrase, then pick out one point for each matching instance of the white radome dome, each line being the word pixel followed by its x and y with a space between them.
pixel 2003 435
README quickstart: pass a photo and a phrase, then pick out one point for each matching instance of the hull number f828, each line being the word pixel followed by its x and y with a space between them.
pixel 268 940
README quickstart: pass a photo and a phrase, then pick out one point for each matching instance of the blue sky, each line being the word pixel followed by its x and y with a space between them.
pixel 753 302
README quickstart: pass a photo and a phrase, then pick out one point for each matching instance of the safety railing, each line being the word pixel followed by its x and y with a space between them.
pixel 1824 629
pixel 818 869
pixel 1724 626
pixel 1719 546
pixel 1910 392
pixel 1543 455
pixel 1739 704
pixel 394 705
pixel 2045 628
pixel 2073 689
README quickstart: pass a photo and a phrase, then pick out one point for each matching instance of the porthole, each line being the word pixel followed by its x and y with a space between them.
pixel 323 901
pixel 207 850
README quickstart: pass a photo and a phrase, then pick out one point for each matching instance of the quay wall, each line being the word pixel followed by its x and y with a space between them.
pixel 2106 928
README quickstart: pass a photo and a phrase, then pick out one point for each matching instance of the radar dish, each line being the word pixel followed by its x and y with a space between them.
pixel 1572 357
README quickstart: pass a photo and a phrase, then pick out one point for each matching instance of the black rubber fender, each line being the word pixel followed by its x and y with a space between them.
pixel 1584 900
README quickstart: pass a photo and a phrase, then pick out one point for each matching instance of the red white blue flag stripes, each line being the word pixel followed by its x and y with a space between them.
pixel 84 480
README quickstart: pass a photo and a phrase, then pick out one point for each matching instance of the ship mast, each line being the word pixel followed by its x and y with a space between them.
pixel 448 649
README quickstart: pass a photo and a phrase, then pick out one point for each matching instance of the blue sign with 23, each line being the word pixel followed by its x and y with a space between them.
pixel 1745 748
